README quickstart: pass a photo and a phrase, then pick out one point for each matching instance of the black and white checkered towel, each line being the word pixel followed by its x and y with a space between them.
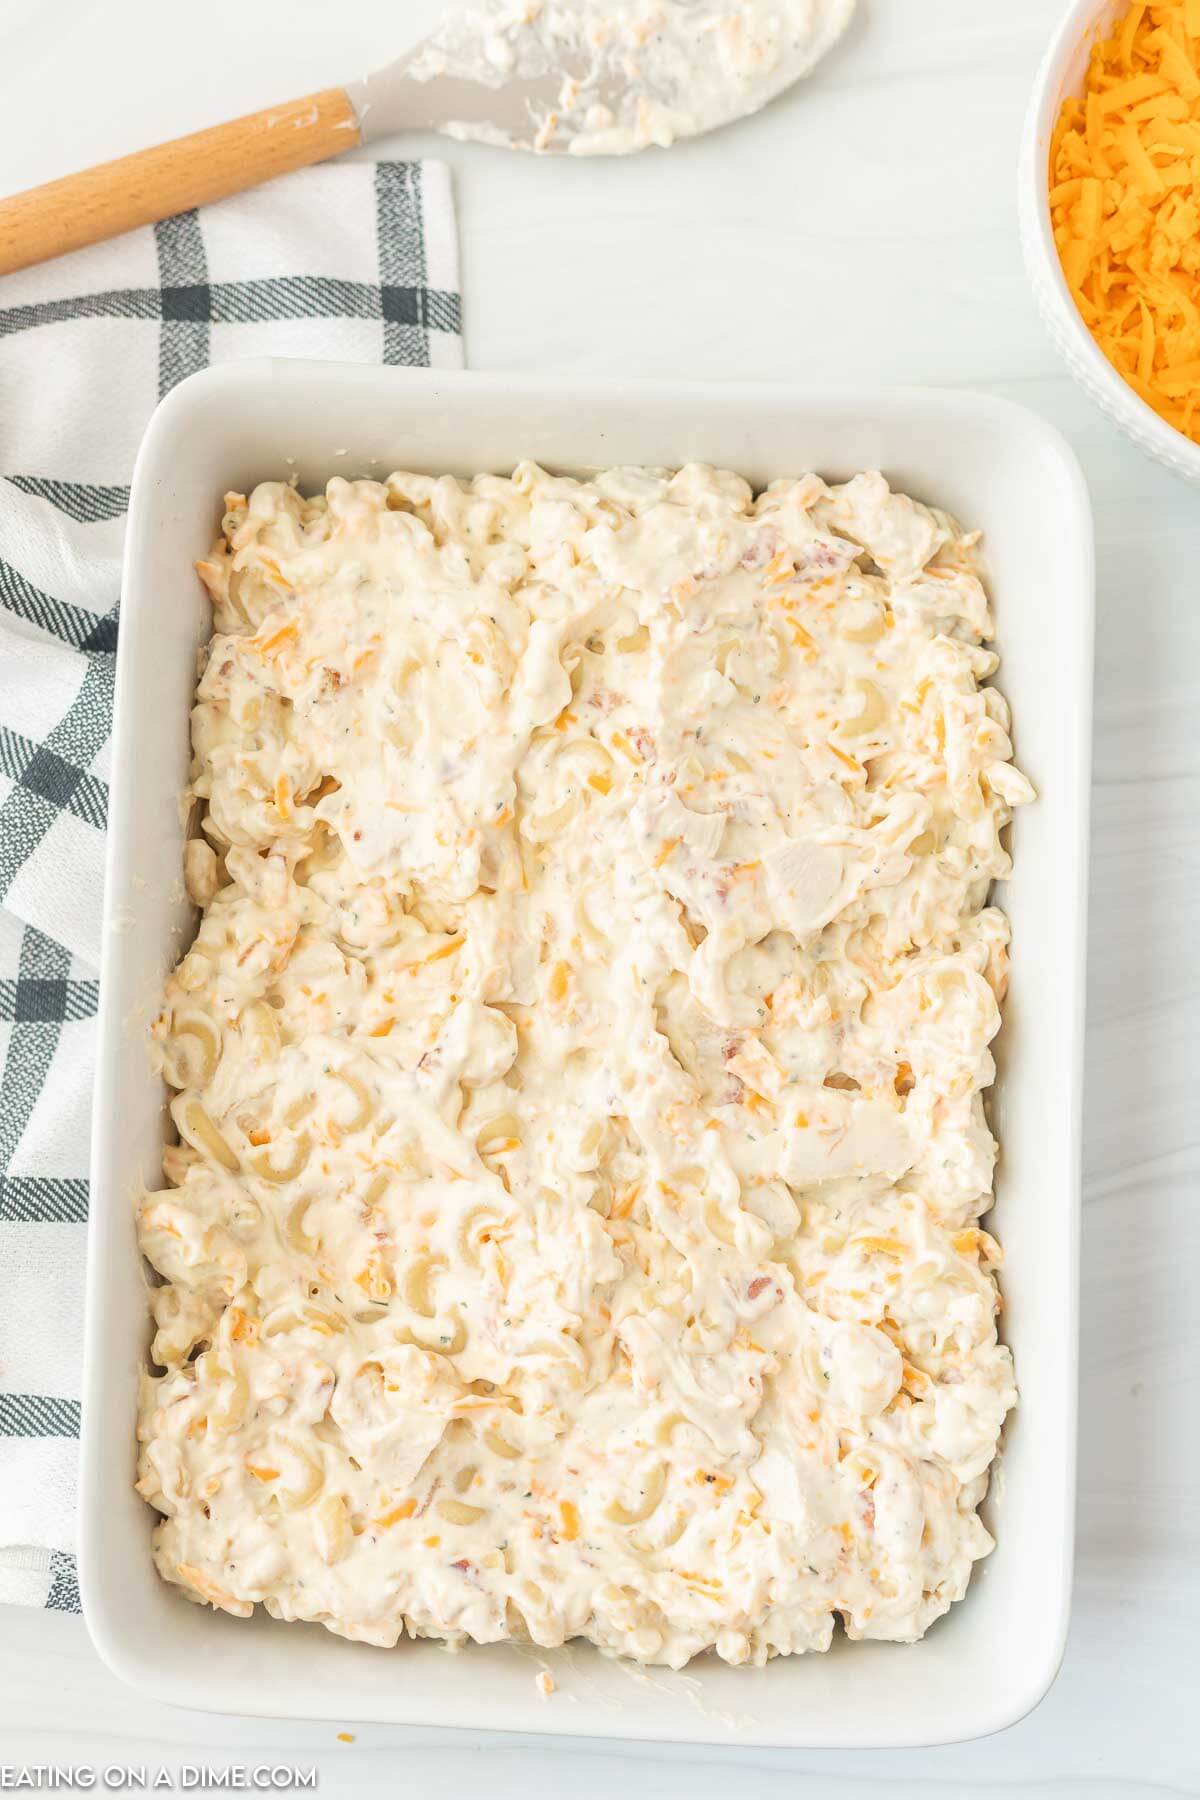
pixel 356 261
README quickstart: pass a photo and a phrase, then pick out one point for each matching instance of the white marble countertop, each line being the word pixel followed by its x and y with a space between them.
pixel 863 229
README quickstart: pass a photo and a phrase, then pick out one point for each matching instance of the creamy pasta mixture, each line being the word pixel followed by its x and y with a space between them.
pixel 573 1229
pixel 607 77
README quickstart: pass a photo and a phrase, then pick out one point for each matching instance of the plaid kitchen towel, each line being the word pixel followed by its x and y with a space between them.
pixel 352 260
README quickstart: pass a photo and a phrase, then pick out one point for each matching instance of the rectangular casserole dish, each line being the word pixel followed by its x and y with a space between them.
pixel 997 468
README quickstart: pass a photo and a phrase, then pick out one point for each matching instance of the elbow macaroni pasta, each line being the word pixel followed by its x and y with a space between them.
pixel 579 1067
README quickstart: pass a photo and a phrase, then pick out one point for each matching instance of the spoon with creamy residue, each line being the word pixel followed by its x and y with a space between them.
pixel 603 77
pixel 582 77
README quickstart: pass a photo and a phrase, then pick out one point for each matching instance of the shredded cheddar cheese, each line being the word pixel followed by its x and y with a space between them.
pixel 1125 203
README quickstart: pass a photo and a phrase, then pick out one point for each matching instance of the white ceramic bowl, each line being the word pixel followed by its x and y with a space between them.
pixel 998 468
pixel 1062 73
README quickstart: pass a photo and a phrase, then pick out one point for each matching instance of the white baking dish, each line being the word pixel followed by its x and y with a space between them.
pixel 998 468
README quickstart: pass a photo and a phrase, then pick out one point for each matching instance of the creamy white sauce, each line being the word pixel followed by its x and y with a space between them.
pixel 613 76
pixel 574 1226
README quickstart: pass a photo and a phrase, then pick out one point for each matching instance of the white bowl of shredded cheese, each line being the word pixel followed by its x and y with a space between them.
pixel 1062 75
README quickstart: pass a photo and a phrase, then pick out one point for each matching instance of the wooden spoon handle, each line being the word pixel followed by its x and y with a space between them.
pixel 189 171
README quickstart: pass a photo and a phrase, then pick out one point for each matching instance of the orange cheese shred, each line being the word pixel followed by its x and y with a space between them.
pixel 1124 190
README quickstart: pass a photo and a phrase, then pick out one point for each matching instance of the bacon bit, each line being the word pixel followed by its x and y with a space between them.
pixel 570 1520
pixel 605 700
pixel 667 850
pixel 757 1285
pixel 463 1562
pixel 261 1473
